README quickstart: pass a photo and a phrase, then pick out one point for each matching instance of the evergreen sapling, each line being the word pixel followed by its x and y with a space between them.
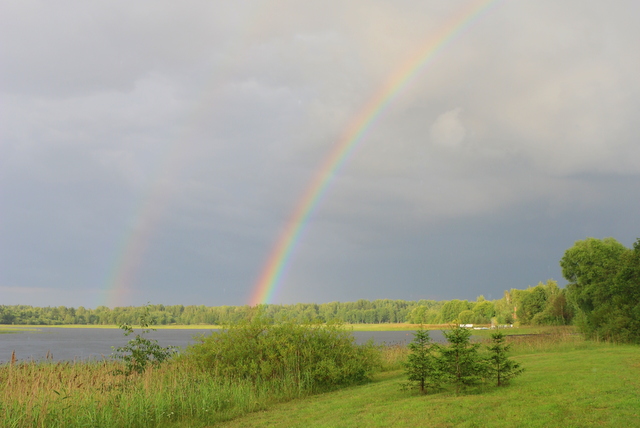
pixel 422 366
pixel 461 362
pixel 500 366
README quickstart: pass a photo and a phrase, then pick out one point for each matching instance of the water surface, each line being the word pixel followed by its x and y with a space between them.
pixel 68 344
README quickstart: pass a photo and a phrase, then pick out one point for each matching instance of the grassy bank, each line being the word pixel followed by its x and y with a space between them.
pixel 246 368
pixel 89 394
pixel 567 382
pixel 571 383
pixel 392 327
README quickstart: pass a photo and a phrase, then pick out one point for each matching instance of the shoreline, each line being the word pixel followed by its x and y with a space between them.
pixel 354 327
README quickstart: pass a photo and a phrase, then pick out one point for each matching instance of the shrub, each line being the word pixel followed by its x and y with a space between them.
pixel 312 356
pixel 141 352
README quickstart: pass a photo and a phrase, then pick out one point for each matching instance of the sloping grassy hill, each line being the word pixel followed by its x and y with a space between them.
pixel 587 385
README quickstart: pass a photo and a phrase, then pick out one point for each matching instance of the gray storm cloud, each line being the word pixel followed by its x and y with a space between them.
pixel 517 139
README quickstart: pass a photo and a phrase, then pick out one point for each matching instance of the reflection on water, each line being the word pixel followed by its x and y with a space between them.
pixel 68 344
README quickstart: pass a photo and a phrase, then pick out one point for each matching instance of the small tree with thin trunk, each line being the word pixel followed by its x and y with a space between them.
pixel 422 366
pixel 460 361
pixel 500 366
pixel 141 352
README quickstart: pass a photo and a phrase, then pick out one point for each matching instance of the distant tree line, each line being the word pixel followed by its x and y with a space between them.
pixel 602 299
pixel 362 311
pixel 543 304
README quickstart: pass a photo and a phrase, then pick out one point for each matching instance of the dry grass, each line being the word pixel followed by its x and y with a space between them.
pixel 393 356
pixel 551 339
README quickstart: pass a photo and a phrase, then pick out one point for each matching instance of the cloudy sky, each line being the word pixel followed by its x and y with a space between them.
pixel 153 151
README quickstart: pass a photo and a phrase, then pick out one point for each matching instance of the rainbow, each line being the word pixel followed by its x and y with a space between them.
pixel 280 256
pixel 132 249
pixel 148 212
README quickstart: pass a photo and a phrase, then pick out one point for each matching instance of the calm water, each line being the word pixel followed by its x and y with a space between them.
pixel 66 344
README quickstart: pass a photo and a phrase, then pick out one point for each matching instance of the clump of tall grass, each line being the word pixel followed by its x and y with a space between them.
pixel 393 357
pixel 44 394
pixel 555 339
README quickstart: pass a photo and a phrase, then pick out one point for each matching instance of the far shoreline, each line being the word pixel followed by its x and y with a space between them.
pixel 354 327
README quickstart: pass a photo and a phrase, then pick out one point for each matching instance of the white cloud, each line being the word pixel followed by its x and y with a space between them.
pixel 447 130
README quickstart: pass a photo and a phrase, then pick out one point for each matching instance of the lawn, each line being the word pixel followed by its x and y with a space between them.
pixel 587 384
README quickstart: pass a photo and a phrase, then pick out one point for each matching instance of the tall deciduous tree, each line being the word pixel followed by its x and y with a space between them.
pixel 603 284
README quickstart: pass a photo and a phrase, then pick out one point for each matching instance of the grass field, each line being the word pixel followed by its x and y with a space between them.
pixel 565 385
pixel 567 382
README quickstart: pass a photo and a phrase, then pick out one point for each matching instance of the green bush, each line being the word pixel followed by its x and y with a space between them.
pixel 312 357
pixel 141 352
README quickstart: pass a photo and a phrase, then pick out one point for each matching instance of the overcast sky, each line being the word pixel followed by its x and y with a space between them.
pixel 159 147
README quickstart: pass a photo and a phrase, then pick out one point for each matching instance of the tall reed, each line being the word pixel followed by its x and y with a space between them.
pixel 193 389
pixel 44 394
pixel 552 339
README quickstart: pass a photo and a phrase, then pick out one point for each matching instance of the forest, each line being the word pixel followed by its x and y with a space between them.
pixel 542 304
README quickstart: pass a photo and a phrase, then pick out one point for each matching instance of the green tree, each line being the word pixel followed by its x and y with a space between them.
pixel 140 351
pixel 460 360
pixel 451 309
pixel 603 287
pixel 466 317
pixel 533 302
pixel 422 367
pixel 500 366
pixel 483 311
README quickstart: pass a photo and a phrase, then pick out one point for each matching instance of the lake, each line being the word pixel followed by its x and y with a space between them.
pixel 68 344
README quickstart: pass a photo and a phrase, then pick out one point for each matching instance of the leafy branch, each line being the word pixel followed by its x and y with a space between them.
pixel 140 352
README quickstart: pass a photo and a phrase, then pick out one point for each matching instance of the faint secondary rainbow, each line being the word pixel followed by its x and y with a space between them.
pixel 148 211
pixel 280 255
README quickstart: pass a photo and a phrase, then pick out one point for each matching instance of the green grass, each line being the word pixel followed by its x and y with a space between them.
pixel 46 394
pixel 394 327
pixel 568 382
pixel 413 327
pixel 244 369
pixel 529 330
pixel 598 385
pixel 16 329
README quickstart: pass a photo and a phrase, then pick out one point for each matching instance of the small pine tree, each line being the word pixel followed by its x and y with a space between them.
pixel 500 366
pixel 422 366
pixel 460 361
